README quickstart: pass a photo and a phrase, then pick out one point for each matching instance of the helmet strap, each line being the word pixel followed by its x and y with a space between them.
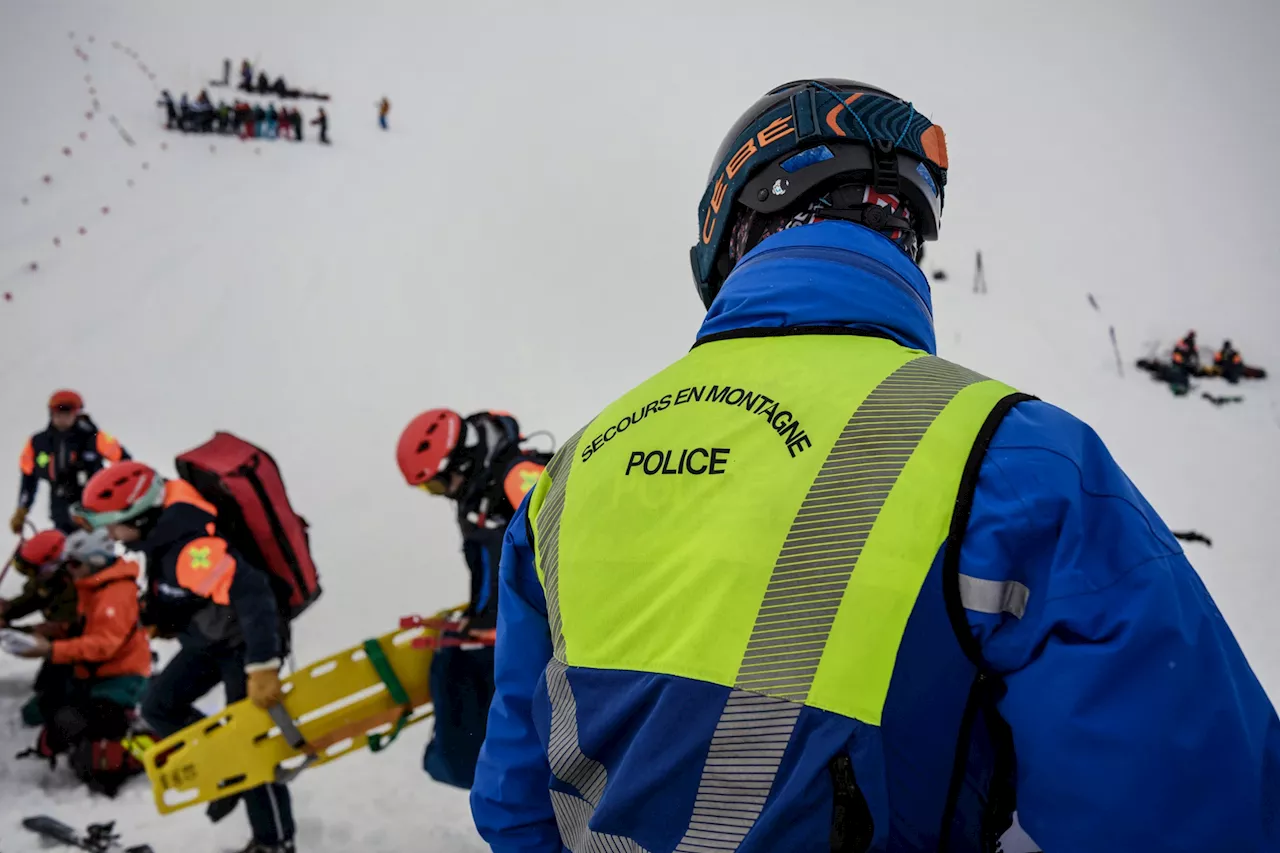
pixel 884 163
pixel 847 206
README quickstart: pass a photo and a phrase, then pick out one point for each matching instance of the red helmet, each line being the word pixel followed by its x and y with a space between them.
pixel 41 550
pixel 66 401
pixel 120 493
pixel 426 444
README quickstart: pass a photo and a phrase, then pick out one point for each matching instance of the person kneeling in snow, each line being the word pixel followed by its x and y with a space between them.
pixel 478 463
pixel 1186 354
pixel 47 592
pixel 105 660
pixel 220 607
pixel 1228 363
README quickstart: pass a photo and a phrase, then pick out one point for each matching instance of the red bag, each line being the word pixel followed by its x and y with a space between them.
pixel 254 514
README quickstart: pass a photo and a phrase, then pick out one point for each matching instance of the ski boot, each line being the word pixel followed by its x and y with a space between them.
pixel 262 847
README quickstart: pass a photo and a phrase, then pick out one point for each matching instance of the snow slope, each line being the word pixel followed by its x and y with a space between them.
pixel 519 240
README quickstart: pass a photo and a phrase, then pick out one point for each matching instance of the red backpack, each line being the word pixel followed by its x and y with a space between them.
pixel 254 514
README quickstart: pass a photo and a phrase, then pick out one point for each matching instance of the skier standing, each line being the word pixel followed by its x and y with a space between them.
pixel 166 101
pixel 322 119
pixel 384 107
pixel 222 610
pixel 813 588
pixel 65 454
pixel 478 463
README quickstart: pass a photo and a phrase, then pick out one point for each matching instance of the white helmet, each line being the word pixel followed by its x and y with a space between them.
pixel 94 548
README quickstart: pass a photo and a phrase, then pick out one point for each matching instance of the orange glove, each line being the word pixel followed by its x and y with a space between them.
pixel 19 518
pixel 264 685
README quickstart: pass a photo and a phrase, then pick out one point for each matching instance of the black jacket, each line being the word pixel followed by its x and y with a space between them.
pixel 484 510
pixel 200 589
pixel 66 460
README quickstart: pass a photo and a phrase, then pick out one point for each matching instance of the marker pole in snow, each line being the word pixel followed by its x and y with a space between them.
pixel 1116 349
pixel 979 277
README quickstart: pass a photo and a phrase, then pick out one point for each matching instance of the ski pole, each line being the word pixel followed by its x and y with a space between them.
pixel 1116 349
pixel 9 563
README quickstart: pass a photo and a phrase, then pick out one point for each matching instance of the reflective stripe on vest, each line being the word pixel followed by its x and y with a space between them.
pixel 761 515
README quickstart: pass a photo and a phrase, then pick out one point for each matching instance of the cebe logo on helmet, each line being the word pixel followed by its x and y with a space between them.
pixel 809 135
pixel 119 493
pixel 65 400
pixel 426 446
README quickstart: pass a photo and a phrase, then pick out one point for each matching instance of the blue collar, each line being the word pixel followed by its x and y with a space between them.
pixel 833 274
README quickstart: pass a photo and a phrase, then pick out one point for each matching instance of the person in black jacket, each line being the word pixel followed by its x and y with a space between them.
pixel 479 464
pixel 69 451
pixel 1229 363
pixel 222 610
pixel 322 120
pixel 166 101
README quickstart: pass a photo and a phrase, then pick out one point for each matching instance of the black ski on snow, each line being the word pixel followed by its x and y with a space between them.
pixel 98 837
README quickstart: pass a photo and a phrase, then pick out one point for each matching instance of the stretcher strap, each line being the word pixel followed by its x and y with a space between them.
pixel 395 689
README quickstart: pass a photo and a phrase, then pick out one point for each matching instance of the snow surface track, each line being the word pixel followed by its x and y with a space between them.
pixel 518 240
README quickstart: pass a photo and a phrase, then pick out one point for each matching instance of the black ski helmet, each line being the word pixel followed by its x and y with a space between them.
pixel 813 135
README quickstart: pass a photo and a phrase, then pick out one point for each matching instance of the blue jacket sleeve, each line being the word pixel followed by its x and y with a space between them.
pixel 509 799
pixel 1137 722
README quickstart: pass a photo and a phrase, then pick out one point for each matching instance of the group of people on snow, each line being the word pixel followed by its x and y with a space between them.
pixel 1186 362
pixel 264 85
pixel 239 118
pixel 96 658
pixel 808 587
pixel 97 700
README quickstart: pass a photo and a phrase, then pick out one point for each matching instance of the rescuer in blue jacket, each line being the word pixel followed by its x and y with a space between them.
pixel 1061 655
